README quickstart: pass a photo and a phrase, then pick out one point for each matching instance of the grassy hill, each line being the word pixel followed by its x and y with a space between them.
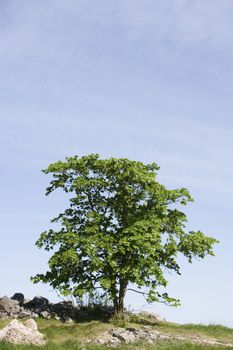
pixel 73 336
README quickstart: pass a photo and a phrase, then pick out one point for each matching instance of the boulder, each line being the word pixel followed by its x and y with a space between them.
pixel 152 316
pixel 17 333
pixel 9 306
pixel 108 339
pixel 38 304
pixel 131 335
pixel 24 313
pixel 64 310
pixel 19 297
pixel 45 314
pixel 31 324
pixel 124 335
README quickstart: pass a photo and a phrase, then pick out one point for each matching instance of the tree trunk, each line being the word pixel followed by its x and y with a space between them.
pixel 119 305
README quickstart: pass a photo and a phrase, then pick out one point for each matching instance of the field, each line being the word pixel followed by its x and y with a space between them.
pixel 72 336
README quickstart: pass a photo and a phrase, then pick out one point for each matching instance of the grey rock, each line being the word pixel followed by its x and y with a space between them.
pixel 18 307
pixel 152 316
pixel 128 336
pixel 31 324
pixel 64 310
pixel 45 314
pixel 37 304
pixel 69 320
pixel 17 333
pixel 116 336
pixel 19 297
pixel 7 305
pixel 24 313
pixel 108 339
pixel 124 335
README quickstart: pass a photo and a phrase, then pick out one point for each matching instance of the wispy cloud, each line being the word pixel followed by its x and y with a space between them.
pixel 184 22
pixel 148 80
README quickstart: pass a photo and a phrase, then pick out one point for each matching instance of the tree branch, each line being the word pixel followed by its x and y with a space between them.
pixel 144 293
pixel 137 291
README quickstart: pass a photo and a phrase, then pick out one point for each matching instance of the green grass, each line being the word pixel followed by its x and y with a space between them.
pixel 71 336
pixel 75 346
pixel 218 332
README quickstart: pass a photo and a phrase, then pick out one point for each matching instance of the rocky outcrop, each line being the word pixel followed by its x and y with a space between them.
pixel 17 333
pixel 127 335
pixel 18 307
pixel 114 337
pixel 9 306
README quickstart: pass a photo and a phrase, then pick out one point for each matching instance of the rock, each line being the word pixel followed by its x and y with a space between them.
pixel 17 333
pixel 31 324
pixel 125 335
pixel 45 314
pixel 65 310
pixel 108 339
pixel 116 336
pixel 9 306
pixel 128 336
pixel 152 316
pixel 19 307
pixel 38 304
pixel 69 320
pixel 24 313
pixel 19 297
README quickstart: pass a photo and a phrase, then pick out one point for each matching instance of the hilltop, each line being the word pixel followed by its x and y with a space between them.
pixel 91 335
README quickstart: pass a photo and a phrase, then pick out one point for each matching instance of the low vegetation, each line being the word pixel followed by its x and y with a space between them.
pixel 74 336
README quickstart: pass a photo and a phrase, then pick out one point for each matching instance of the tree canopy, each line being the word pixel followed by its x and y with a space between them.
pixel 121 227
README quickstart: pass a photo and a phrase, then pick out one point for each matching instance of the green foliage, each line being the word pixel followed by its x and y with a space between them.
pixel 121 227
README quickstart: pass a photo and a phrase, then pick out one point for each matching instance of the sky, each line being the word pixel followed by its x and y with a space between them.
pixel 148 80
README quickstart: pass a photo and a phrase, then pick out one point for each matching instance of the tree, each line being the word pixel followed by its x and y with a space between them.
pixel 122 227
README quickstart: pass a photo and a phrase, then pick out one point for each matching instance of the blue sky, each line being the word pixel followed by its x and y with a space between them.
pixel 148 80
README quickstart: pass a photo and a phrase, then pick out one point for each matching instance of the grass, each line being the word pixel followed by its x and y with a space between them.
pixel 71 336
pixel 218 332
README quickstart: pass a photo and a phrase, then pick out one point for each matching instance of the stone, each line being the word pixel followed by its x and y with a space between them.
pixel 116 336
pixel 152 316
pixel 45 314
pixel 125 335
pixel 17 333
pixel 7 305
pixel 24 313
pixel 65 310
pixel 3 314
pixel 38 304
pixel 31 324
pixel 107 339
pixel 19 297
pixel 18 307
pixel 129 335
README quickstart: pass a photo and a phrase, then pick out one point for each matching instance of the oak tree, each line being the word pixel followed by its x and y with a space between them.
pixel 121 228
